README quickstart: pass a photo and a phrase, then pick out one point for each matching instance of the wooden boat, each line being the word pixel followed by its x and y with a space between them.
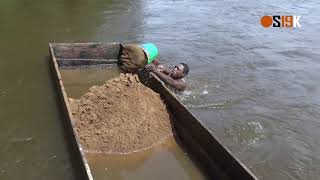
pixel 203 147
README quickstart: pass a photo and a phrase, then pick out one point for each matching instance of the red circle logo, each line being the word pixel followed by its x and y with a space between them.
pixel 266 21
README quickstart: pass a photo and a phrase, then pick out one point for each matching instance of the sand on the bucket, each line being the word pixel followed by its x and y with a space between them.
pixel 121 116
pixel 132 58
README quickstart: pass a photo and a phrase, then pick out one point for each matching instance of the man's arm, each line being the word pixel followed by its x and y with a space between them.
pixel 163 69
pixel 178 84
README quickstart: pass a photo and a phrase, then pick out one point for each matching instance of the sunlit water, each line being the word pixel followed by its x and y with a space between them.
pixel 257 89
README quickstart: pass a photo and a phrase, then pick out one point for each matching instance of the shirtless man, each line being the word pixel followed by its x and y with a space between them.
pixel 172 77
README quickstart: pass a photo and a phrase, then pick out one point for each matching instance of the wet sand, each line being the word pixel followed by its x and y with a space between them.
pixel 121 116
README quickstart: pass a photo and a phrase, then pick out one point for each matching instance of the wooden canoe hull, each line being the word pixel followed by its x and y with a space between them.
pixel 204 148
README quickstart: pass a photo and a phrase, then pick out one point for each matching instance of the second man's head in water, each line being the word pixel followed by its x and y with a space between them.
pixel 179 71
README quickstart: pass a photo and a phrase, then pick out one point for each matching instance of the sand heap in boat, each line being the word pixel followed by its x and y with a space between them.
pixel 121 116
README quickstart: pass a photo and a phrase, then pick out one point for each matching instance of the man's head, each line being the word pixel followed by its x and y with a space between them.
pixel 180 71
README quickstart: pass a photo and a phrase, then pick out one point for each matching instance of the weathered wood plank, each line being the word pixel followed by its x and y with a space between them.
pixel 76 147
pixel 84 62
pixel 86 50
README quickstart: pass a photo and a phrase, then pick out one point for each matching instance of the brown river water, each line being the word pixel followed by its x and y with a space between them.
pixel 257 89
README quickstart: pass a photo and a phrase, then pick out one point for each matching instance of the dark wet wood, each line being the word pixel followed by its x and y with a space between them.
pixel 86 51
pixel 84 62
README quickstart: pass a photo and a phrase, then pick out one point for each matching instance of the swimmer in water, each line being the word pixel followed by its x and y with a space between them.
pixel 173 77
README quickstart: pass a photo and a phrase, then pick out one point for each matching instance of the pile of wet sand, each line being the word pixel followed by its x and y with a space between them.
pixel 121 116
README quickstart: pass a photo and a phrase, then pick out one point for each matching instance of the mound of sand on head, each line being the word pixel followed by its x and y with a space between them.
pixel 121 116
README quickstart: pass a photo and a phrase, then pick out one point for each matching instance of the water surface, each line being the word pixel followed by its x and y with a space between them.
pixel 257 89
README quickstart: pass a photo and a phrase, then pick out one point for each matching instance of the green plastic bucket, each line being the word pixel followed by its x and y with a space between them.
pixel 151 51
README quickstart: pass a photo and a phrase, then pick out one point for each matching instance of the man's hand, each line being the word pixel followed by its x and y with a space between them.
pixel 151 68
pixel 160 68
